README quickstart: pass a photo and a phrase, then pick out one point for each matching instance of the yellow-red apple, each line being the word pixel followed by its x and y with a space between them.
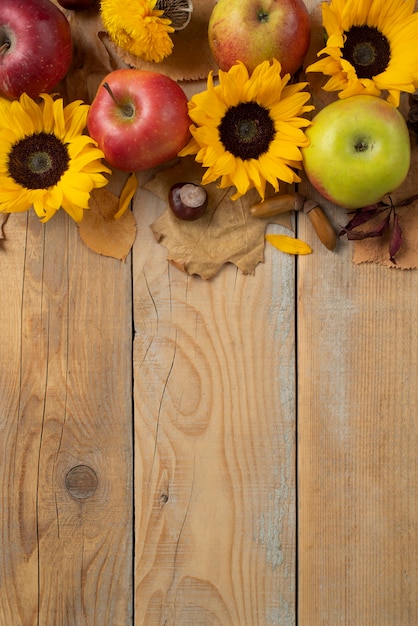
pixel 253 31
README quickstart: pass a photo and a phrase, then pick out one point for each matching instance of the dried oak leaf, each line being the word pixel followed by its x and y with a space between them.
pixel 99 229
pixel 227 233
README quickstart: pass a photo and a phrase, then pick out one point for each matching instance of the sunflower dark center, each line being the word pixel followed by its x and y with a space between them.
pixel 367 49
pixel 38 161
pixel 246 130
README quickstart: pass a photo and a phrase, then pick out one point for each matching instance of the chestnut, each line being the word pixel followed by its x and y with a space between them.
pixel 188 201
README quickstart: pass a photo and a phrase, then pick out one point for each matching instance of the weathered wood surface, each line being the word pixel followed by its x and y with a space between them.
pixel 357 440
pixel 236 452
pixel 65 429
pixel 214 440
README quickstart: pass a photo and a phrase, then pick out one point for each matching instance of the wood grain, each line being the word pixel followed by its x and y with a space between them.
pixel 65 419
pixel 214 440
pixel 358 401
pixel 151 422
pixel 357 436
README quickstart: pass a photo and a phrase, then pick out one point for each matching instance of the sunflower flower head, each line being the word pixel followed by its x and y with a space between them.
pixel 45 160
pixel 138 27
pixel 372 46
pixel 247 129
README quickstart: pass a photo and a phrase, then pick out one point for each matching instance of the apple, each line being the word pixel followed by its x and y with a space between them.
pixel 76 5
pixel 253 31
pixel 359 151
pixel 35 47
pixel 139 118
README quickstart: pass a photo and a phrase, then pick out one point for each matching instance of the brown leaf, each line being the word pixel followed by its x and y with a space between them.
pixel 227 233
pixel 91 61
pixel 101 232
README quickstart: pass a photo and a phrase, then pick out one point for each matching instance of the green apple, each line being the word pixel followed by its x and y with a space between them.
pixel 359 151
pixel 253 31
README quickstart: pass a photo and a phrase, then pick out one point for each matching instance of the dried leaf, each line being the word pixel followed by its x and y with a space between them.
pixel 99 229
pixel 378 249
pixel 226 233
pixel 91 61
pixel 362 216
pixel 377 231
pixel 287 244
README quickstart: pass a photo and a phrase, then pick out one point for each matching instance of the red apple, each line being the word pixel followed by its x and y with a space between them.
pixel 139 119
pixel 253 31
pixel 35 47
pixel 76 5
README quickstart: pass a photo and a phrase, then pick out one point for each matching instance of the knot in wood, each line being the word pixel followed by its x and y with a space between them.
pixel 81 481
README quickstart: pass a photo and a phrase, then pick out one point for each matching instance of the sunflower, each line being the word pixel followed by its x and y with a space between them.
pixel 372 46
pixel 45 161
pixel 247 130
pixel 138 27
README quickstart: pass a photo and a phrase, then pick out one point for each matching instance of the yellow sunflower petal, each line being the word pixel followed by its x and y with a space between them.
pixel 75 196
pixel 18 118
pixel 75 115
pixel 14 202
pixel 74 211
pixel 44 206
pixel 47 108
pixel 287 244
pixel 127 193
pixel 231 84
pixel 192 147
pixel 49 203
pixel 59 119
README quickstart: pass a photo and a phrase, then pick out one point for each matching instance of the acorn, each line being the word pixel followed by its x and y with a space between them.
pixel 321 225
pixel 277 204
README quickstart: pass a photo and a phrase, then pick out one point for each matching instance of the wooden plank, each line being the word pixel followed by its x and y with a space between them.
pixel 214 440
pixel 357 428
pixel 65 419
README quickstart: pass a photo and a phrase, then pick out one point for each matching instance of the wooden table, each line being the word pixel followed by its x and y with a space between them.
pixel 234 452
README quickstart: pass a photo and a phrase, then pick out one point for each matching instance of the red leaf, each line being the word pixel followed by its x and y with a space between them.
pixel 376 232
pixel 396 238
pixel 362 216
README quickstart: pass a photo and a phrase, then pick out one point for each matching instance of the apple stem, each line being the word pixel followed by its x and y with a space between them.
pixel 127 109
pixel 4 46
